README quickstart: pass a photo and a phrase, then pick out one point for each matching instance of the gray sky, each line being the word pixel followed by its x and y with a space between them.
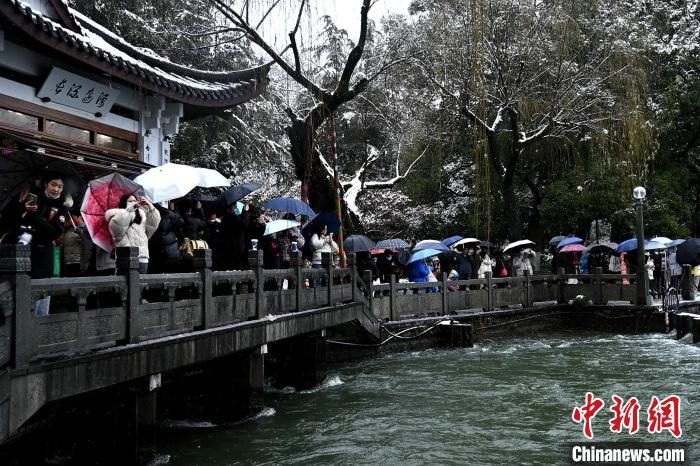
pixel 345 14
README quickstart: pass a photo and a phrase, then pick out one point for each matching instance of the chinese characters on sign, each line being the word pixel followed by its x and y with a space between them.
pixel 662 415
pixel 78 92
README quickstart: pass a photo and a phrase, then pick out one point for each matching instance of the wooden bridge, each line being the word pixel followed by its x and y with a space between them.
pixel 103 331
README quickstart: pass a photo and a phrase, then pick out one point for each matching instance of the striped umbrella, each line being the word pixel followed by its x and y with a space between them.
pixel 393 243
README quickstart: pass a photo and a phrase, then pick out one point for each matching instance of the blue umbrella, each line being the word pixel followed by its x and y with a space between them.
pixel 431 244
pixel 423 254
pixel 631 245
pixel 287 204
pixel 569 240
pixel 451 240
pixel 393 243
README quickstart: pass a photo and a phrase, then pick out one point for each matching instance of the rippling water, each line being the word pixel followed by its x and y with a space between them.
pixel 505 402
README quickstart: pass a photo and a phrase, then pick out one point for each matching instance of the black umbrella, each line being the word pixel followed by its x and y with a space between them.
pixel 358 243
pixel 20 169
pixel 239 192
pixel 689 252
pixel 556 240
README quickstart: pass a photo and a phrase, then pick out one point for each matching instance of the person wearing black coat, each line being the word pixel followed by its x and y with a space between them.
pixel 235 227
pixel 164 244
pixel 194 220
pixel 214 236
pixel 41 222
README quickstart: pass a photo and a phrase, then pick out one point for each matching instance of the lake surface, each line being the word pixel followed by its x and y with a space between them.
pixel 504 402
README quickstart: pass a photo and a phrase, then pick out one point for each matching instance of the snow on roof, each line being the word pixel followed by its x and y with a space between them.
pixel 142 66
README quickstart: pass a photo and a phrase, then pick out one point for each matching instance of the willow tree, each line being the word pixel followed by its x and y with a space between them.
pixel 532 79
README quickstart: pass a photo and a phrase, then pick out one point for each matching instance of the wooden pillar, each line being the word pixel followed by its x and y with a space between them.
pixel 255 262
pixel 327 263
pixel 393 310
pixel 696 330
pixel 681 326
pixel 598 295
pixel 256 378
pixel 295 262
pixel 489 291
pixel 128 265
pixel 15 265
pixel 687 291
pixel 202 264
pixel 445 307
pixel 367 278
pixel 561 281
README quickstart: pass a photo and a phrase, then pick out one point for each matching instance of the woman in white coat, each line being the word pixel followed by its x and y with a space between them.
pixel 132 224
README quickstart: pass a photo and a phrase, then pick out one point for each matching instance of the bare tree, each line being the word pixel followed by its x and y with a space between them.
pixel 303 127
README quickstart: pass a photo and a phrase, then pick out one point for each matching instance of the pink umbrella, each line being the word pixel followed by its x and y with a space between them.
pixel 573 248
pixel 103 194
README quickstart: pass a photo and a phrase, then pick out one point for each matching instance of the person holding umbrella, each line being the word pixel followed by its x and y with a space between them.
pixel 321 242
pixel 132 224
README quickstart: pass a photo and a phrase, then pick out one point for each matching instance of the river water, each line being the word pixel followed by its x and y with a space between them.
pixel 504 402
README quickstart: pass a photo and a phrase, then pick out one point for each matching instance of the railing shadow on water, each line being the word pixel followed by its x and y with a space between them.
pixel 46 319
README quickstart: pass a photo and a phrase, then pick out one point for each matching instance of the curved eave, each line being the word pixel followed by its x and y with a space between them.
pixel 221 96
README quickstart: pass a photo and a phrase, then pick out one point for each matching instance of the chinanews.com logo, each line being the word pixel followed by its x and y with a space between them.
pixel 662 416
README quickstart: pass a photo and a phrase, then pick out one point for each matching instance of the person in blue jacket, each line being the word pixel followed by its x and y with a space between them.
pixel 418 272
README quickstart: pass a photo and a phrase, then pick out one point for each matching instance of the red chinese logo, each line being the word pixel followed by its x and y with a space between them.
pixel 665 415
pixel 626 415
pixel 587 412
pixel 661 415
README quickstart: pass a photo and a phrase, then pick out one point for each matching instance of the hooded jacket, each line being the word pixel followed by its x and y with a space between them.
pixel 127 233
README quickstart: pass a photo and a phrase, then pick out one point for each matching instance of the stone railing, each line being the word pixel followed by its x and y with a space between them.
pixel 46 319
pixel 54 318
pixel 392 301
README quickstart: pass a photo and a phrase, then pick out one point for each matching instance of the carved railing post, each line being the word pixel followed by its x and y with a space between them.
pixel 561 281
pixel 528 290
pixel 352 263
pixel 16 304
pixel 327 263
pixel 445 307
pixel 367 278
pixel 202 263
pixel 393 310
pixel 295 262
pixel 128 265
pixel 598 294
pixel 489 291
pixel 255 262
pixel 687 291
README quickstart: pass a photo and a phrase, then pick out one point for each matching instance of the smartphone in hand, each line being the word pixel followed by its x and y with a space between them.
pixel 31 199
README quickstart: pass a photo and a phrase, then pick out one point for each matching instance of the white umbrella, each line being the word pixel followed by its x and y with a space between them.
pixel 279 225
pixel 662 240
pixel 209 178
pixel 517 244
pixel 465 241
pixel 169 181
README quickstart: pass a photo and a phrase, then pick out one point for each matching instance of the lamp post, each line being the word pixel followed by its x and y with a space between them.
pixel 643 297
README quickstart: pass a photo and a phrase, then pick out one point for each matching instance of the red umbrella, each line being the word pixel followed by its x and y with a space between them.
pixel 103 194
pixel 573 248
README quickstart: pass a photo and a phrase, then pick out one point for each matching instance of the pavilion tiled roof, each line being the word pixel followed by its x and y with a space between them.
pixel 109 53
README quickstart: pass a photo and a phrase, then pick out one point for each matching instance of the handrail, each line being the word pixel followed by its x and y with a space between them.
pixel 115 310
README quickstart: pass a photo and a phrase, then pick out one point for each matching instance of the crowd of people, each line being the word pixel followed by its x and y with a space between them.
pixel 61 246
pixel 47 219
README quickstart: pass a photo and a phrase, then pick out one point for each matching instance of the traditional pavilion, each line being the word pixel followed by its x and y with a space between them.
pixel 69 88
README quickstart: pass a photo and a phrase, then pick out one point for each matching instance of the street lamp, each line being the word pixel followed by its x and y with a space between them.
pixel 643 297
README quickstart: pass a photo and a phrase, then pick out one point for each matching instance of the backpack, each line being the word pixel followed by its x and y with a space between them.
pixel 189 245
